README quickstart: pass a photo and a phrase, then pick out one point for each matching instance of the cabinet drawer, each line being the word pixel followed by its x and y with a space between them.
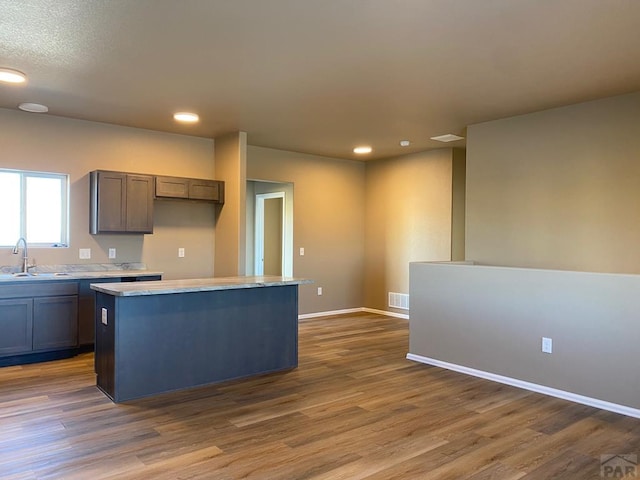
pixel 24 289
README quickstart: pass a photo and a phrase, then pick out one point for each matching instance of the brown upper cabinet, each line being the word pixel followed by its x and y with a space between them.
pixel 190 188
pixel 121 202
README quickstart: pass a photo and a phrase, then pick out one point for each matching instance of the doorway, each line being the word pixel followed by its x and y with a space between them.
pixel 270 211
pixel 269 234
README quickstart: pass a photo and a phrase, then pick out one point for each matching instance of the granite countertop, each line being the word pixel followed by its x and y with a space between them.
pixel 73 275
pixel 163 287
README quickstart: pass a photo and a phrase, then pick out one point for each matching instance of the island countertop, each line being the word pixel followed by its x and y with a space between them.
pixel 164 287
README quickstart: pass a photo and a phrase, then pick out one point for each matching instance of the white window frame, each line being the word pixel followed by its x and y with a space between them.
pixel 64 214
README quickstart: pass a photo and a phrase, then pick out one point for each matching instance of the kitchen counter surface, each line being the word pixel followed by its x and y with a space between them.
pixel 165 287
pixel 57 276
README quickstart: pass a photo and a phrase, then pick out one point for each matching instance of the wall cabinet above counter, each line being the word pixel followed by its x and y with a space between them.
pixel 123 202
pixel 190 189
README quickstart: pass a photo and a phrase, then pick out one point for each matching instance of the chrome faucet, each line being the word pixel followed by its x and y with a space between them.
pixel 25 255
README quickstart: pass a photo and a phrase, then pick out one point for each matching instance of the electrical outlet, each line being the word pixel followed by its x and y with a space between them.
pixel 181 252
pixel 85 253
pixel 302 251
pixel 104 316
pixel 547 345
pixel 319 290
pixel 112 253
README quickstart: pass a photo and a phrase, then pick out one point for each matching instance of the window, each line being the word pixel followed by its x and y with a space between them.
pixel 35 206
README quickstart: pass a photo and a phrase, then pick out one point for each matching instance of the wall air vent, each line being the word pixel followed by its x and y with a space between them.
pixel 399 300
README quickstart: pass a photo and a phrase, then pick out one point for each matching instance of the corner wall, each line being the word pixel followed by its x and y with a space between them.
pixel 410 217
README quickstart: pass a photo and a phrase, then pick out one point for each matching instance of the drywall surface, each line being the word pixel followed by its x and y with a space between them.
pixel 493 319
pixel 328 222
pixel 408 218
pixel 558 188
pixel 47 143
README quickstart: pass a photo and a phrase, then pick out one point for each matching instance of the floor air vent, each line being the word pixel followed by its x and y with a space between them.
pixel 399 300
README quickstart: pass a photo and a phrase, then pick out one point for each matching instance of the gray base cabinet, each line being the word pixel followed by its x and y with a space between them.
pixel 38 317
pixel 16 325
pixel 55 322
pixel 151 344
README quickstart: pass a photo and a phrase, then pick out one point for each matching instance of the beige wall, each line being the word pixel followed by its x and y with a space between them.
pixel 328 223
pixel 408 218
pixel 75 147
pixel 558 188
pixel 231 167
pixel 492 319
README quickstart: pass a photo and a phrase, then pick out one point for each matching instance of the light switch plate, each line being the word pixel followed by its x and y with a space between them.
pixel 181 252
pixel 302 251
pixel 85 253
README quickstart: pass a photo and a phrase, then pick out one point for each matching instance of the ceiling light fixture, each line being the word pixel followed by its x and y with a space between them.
pixel 9 75
pixel 33 107
pixel 186 117
pixel 363 149
pixel 449 137
pixel 405 143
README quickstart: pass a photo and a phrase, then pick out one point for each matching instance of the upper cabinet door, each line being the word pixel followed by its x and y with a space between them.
pixel 190 189
pixel 139 204
pixel 121 203
pixel 204 190
pixel 172 187
pixel 108 202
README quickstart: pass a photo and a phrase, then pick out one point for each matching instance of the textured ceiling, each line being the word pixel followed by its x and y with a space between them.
pixel 317 76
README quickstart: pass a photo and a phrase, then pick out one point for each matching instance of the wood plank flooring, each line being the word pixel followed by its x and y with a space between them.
pixel 354 409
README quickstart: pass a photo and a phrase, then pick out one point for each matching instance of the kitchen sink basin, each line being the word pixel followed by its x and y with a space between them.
pixel 39 274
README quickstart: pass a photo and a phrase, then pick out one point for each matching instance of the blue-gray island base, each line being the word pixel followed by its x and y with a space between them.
pixel 157 337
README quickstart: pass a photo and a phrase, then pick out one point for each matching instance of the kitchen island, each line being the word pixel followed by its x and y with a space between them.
pixel 162 336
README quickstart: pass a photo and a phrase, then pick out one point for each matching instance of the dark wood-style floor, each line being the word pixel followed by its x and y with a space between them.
pixel 354 409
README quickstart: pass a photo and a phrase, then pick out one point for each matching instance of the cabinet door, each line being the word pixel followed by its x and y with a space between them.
pixel 139 203
pixel 55 322
pixel 16 326
pixel 109 202
pixel 172 187
pixel 204 190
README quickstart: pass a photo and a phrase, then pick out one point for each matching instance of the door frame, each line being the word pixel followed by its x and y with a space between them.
pixel 287 240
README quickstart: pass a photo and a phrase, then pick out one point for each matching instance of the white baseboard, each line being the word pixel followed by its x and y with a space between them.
pixel 352 310
pixel 553 392
pixel 384 312
pixel 329 313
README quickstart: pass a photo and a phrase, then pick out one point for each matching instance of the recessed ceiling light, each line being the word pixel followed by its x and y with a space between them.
pixel 405 143
pixel 449 137
pixel 33 107
pixel 186 117
pixel 10 75
pixel 363 149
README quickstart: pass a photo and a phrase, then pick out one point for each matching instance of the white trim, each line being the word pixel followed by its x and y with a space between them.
pixel 326 314
pixel 553 392
pixel 287 235
pixel 352 310
pixel 384 312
